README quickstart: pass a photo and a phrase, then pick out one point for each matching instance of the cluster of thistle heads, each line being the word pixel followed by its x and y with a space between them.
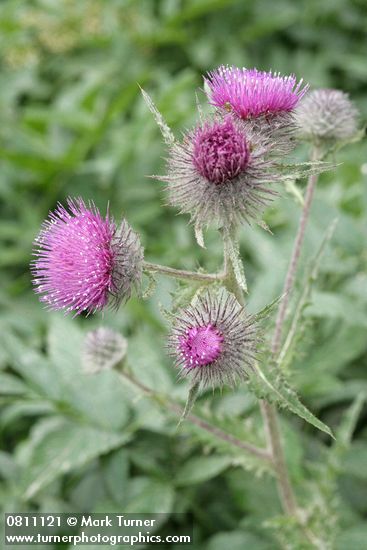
pixel 223 172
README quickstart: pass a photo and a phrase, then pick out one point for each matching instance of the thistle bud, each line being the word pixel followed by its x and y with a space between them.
pixel 326 115
pixel 103 349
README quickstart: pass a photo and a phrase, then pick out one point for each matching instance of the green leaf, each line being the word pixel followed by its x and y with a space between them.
pixel 100 399
pixel 115 471
pixel 233 253
pixel 336 306
pixel 238 540
pixel 208 428
pixel 349 421
pixel 355 460
pixel 144 495
pixel 199 236
pixel 353 539
pixel 265 311
pixel 202 468
pixel 151 286
pixel 294 191
pixel 274 387
pixel 8 468
pixel 296 329
pixel 61 447
pixel 193 394
pixel 163 126
pixel 10 385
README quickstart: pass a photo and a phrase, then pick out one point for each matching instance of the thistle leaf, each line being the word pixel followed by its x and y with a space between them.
pixel 265 311
pixel 234 428
pixel 345 431
pixel 190 401
pixel 151 286
pixel 233 251
pixel 163 126
pixel 294 191
pixel 274 387
pixel 199 235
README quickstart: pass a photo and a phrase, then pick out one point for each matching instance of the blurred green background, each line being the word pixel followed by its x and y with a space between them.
pixel 73 122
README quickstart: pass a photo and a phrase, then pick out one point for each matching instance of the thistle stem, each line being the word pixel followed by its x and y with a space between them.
pixel 293 264
pixel 263 454
pixel 275 447
pixel 270 418
pixel 182 274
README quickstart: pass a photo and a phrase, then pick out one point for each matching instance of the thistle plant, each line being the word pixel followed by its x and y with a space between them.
pixel 223 173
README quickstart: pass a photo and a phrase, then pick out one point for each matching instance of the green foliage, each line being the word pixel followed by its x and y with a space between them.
pixel 274 387
pixel 74 122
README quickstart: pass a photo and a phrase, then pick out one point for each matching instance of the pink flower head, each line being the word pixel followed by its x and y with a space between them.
pixel 213 341
pixel 250 93
pixel 220 151
pixel 201 345
pixel 83 259
pixel 222 172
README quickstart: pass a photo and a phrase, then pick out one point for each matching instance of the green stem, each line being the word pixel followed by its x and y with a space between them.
pixel 275 448
pixel 296 253
pixel 269 413
pixel 178 410
pixel 182 274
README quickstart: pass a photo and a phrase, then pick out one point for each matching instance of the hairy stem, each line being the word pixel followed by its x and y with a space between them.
pixel 182 274
pixel 178 410
pixel 293 264
pixel 285 489
pixel 270 417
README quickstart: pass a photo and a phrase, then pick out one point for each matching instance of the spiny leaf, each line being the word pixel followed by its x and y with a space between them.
pixel 232 250
pixel 199 235
pixel 345 431
pixel 265 311
pixel 335 147
pixel 294 191
pixel 274 387
pixel 163 126
pixel 166 314
pixel 300 170
pixel 190 401
pixel 233 427
pixel 151 286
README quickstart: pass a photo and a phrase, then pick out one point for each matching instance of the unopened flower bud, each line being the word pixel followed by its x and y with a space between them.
pixel 326 115
pixel 103 349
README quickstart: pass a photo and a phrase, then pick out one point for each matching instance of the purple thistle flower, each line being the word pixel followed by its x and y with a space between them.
pixel 213 341
pixel 326 115
pixel 250 93
pixel 83 260
pixel 201 345
pixel 221 172
pixel 220 151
